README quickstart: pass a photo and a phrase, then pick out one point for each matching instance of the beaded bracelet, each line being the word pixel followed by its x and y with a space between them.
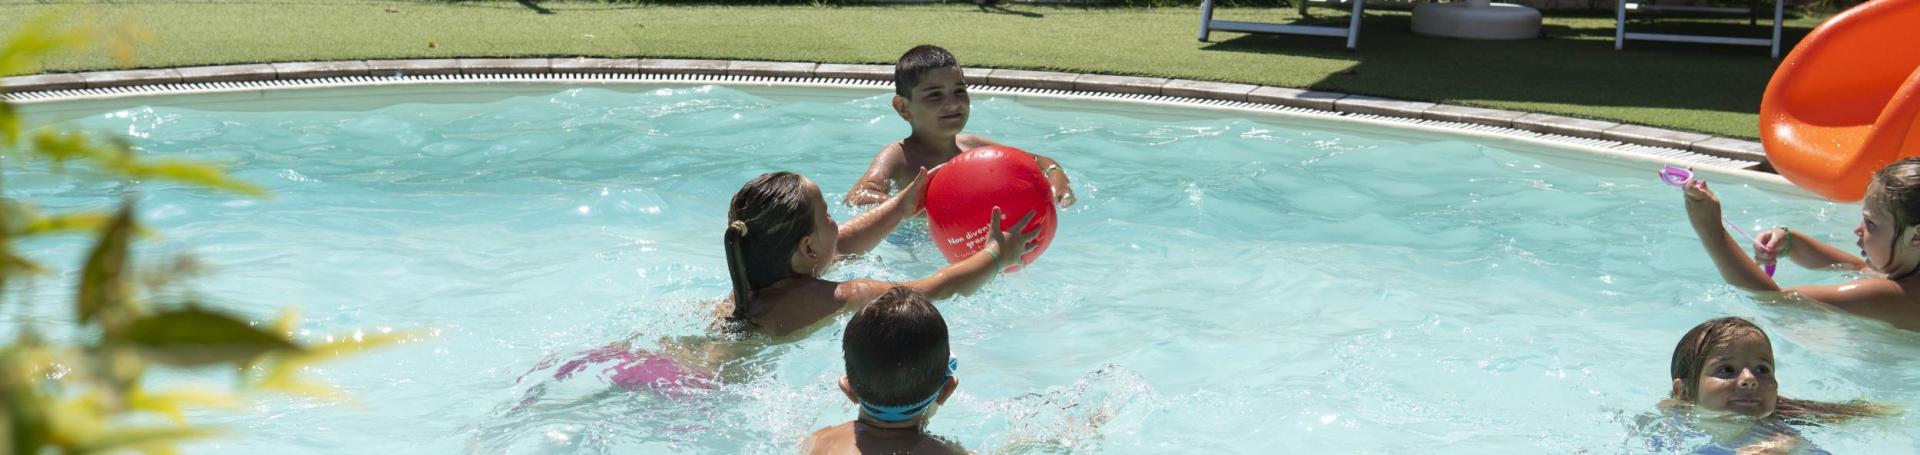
pixel 1787 243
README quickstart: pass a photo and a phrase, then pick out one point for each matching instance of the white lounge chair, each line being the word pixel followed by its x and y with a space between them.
pixel 1351 32
pixel 1620 35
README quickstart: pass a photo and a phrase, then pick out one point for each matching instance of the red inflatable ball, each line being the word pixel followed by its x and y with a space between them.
pixel 961 195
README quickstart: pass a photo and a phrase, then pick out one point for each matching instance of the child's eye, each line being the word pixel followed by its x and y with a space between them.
pixel 1723 370
pixel 1763 370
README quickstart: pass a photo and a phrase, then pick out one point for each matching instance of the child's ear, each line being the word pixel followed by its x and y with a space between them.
pixel 900 106
pixel 847 388
pixel 1677 388
pixel 802 261
pixel 953 383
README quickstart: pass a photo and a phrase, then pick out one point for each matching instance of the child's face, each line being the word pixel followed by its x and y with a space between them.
pixel 1876 232
pixel 1738 377
pixel 938 105
pixel 818 250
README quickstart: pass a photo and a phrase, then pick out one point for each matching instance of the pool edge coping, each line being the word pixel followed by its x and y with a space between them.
pixel 1728 155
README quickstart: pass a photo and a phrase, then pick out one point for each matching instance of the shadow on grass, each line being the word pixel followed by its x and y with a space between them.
pixel 1570 65
pixel 535 6
pixel 996 8
pixel 1789 34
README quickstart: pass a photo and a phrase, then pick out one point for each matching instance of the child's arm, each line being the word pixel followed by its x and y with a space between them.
pixel 1804 250
pixel 874 186
pixel 866 231
pixel 1005 249
pixel 1056 176
pixel 1872 298
pixel 1703 211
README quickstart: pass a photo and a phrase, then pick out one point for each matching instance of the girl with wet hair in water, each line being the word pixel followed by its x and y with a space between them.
pixel 1888 240
pixel 1723 380
pixel 780 240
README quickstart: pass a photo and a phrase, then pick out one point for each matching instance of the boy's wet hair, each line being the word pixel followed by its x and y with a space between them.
pixel 1899 187
pixel 915 64
pixel 765 222
pixel 896 349
pixel 1690 356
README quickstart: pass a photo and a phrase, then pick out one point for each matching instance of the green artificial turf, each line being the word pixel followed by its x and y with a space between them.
pixel 1572 71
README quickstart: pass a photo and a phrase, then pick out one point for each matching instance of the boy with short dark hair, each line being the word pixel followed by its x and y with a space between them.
pixel 930 93
pixel 899 370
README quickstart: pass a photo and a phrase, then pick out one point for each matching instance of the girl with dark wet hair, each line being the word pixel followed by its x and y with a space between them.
pixel 779 240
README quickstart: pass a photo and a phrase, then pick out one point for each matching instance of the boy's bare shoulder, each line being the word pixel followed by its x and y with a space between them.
pixel 845 439
pixel 893 148
pixel 837 439
pixel 943 446
pixel 893 155
pixel 929 445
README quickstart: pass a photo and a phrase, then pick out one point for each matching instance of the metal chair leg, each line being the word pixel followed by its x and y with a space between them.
pixel 1619 23
pixel 1206 18
pixel 1779 12
pixel 1353 25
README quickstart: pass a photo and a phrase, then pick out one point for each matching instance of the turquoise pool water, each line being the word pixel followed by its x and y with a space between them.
pixel 1229 283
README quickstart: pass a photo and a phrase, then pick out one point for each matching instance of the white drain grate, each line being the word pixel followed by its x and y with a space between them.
pixel 1676 156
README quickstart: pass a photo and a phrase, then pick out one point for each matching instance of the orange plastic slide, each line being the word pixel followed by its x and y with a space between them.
pixel 1846 101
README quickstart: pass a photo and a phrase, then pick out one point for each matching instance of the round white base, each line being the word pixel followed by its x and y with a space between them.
pixel 1499 21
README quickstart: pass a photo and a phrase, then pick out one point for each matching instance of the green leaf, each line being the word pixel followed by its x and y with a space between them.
pixel 284 371
pixel 10 214
pixel 9 125
pixel 118 158
pixel 63 146
pixel 65 223
pixel 169 403
pixel 37 39
pixel 125 37
pixel 21 402
pixel 6 425
pixel 14 217
pixel 195 173
pixel 103 283
pixel 194 336
pixel 22 220
pixel 11 263
pixel 138 438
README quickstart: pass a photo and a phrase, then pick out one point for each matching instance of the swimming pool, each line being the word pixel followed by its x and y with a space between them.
pixel 1229 282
